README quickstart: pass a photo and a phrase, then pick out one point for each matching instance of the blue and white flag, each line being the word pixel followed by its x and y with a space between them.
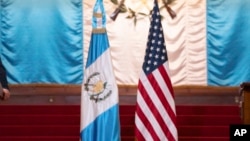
pixel 99 101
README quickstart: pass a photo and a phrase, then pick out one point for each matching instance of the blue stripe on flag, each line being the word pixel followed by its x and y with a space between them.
pixel 99 129
pixel 97 48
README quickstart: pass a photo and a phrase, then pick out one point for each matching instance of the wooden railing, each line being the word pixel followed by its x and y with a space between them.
pixel 245 102
pixel 71 94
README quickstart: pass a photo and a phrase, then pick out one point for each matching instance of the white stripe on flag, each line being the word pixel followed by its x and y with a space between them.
pixel 88 114
pixel 155 99
pixel 149 115
pixel 164 87
pixel 142 128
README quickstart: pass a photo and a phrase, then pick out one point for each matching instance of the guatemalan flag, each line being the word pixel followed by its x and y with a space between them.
pixel 99 101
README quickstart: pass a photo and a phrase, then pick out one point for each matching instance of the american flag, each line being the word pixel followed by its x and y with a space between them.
pixel 155 116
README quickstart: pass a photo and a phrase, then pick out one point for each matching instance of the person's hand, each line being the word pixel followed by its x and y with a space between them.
pixel 6 94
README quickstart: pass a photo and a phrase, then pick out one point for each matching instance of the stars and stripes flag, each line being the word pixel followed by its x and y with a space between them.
pixel 155 116
pixel 99 100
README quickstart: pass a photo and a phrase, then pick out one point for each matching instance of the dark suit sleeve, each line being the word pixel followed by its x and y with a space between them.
pixel 3 77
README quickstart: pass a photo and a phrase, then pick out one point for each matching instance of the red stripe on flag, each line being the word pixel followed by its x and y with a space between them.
pixel 162 122
pixel 166 78
pixel 138 135
pixel 162 96
pixel 142 116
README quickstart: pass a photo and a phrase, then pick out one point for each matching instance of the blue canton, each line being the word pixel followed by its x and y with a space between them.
pixel 156 53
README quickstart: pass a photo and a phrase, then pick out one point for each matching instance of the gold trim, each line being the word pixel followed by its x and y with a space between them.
pixel 99 30
pixel 97 15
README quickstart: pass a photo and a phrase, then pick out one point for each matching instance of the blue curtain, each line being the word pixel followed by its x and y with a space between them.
pixel 41 41
pixel 228 42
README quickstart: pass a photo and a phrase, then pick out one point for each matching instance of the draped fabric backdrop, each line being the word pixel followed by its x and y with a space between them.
pixel 41 41
pixel 207 43
pixel 228 43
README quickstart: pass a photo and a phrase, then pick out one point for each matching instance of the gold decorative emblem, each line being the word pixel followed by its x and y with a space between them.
pixel 97 87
